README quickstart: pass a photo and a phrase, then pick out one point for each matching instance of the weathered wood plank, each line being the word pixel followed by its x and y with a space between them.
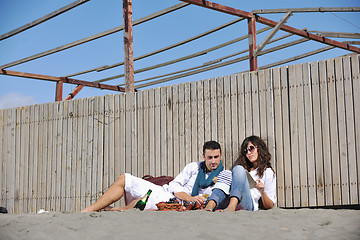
pixel 352 101
pixel 214 111
pixel 200 117
pixel 175 153
pixel 343 168
pixel 169 130
pixel 78 171
pixel 68 156
pixel 309 128
pixel 152 139
pixel 194 122
pixel 140 113
pixel 242 110
pixel 207 111
pixel 333 121
pixel 279 154
pixel 235 141
pixel 220 115
pixel 324 110
pixel 82 178
pixel 316 105
pixel 248 109
pixel 2 153
pixel 270 115
pixel 157 117
pixel 294 133
pixel 262 108
pixel 227 124
pixel 188 145
pixel 10 158
pixel 255 103
pixel 303 158
pixel 163 132
pixel 122 133
pixel 286 137
pixel 182 149
pixel 24 155
pixel 18 162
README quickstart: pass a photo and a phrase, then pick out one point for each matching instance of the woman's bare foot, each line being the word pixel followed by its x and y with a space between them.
pixel 229 209
pixel 210 206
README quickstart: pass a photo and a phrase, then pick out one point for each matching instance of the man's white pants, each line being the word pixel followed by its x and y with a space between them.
pixel 137 187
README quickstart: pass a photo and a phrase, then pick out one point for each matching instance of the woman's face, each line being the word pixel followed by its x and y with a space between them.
pixel 251 152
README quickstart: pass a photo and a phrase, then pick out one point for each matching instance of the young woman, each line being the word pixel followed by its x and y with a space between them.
pixel 232 191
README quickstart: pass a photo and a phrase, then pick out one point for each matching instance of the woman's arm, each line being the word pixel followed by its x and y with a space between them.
pixel 267 202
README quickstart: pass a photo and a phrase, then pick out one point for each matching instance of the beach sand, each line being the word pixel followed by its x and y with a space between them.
pixel 134 224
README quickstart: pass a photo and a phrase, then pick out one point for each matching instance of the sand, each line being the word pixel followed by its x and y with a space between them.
pixel 134 224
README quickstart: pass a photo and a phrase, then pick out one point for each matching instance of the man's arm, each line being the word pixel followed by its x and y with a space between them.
pixel 186 197
pixel 180 187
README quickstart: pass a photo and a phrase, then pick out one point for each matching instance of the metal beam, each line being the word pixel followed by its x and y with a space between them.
pixel 74 92
pixel 337 34
pixel 252 43
pixel 42 19
pixel 93 37
pixel 239 13
pixel 128 46
pixel 59 91
pixel 65 80
pixel 106 67
pixel 316 9
pixel 220 8
pixel 272 33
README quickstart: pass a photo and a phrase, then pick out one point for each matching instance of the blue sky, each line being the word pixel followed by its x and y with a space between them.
pixel 97 16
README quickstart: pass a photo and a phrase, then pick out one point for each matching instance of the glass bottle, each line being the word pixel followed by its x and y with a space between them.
pixel 142 202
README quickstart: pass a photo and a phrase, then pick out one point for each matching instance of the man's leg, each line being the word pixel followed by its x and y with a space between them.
pixel 216 198
pixel 113 194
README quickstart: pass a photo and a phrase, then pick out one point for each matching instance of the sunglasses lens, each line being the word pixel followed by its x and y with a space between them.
pixel 250 149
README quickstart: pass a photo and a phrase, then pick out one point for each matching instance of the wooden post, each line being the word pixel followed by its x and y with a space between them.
pixel 128 46
pixel 59 90
pixel 252 43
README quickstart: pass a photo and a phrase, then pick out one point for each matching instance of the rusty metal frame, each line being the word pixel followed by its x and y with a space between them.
pixel 60 81
pixel 249 16
pixel 254 50
pixel 128 46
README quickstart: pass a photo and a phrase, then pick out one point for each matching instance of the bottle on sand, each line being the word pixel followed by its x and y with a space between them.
pixel 142 202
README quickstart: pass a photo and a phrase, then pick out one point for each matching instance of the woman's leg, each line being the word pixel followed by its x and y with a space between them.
pixel 240 191
pixel 113 194
pixel 215 199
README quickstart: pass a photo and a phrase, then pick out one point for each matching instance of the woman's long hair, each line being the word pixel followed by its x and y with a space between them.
pixel 264 155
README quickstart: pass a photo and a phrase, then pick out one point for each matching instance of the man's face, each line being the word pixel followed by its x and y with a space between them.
pixel 212 159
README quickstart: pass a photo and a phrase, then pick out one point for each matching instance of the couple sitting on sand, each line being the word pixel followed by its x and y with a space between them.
pixel 228 190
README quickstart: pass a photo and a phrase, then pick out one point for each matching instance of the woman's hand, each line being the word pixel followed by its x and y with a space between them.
pixel 260 186
pixel 267 203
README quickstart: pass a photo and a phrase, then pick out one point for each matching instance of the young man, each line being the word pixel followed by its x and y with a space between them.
pixel 194 181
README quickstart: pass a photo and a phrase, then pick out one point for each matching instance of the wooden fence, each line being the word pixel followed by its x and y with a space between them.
pixel 61 156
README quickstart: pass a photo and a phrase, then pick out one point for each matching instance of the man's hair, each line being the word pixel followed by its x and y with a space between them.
pixel 213 145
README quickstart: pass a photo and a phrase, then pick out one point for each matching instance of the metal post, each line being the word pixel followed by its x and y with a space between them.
pixel 252 43
pixel 59 91
pixel 128 46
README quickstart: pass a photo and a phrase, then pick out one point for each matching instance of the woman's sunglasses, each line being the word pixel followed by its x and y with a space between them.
pixel 249 149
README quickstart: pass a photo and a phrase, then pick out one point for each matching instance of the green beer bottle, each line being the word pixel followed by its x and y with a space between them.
pixel 142 202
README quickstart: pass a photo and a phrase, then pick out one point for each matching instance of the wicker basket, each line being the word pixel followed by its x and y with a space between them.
pixel 168 206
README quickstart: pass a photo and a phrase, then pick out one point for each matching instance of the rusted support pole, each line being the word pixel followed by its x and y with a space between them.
pixel 74 92
pixel 252 43
pixel 128 46
pixel 59 90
